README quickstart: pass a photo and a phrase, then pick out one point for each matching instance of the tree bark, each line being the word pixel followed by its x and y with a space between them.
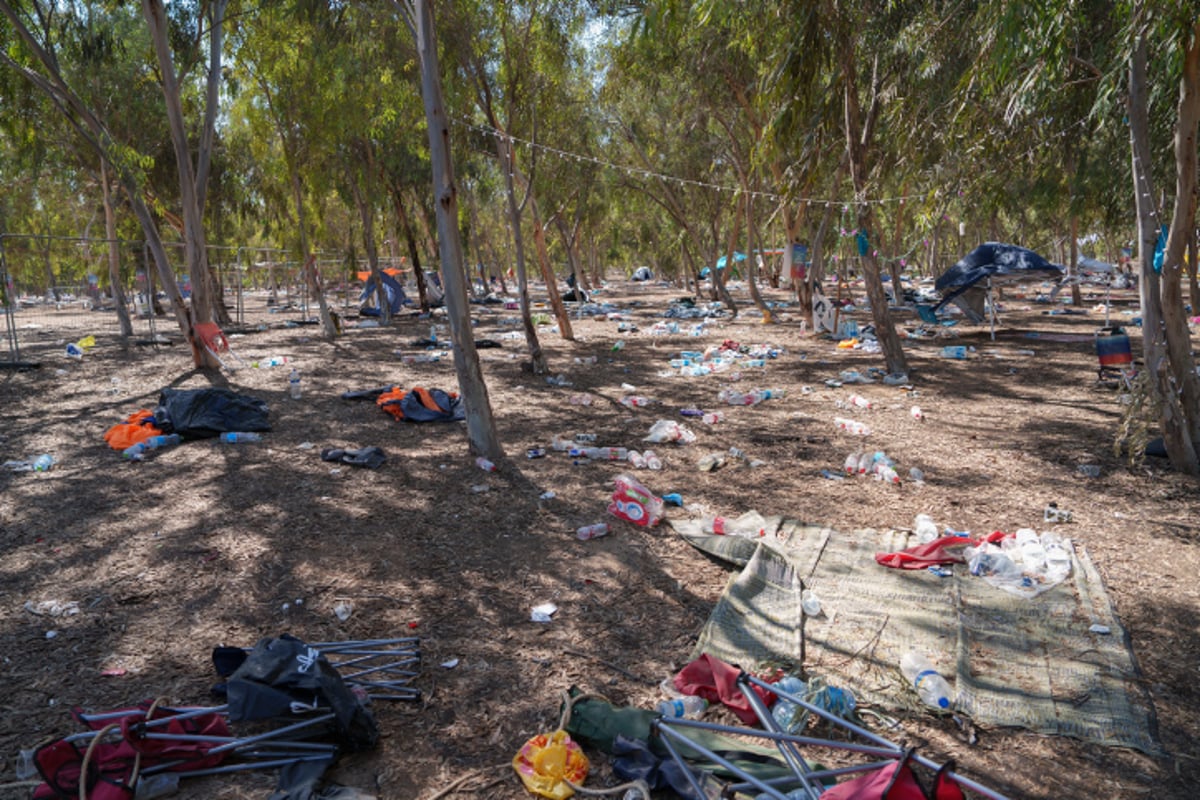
pixel 1176 440
pixel 1183 224
pixel 481 426
pixel 539 241
pixel 858 134
pixel 114 255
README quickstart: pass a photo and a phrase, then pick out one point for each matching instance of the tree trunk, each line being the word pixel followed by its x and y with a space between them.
pixel 537 358
pixel 367 217
pixel 413 254
pixel 311 277
pixel 1183 224
pixel 556 301
pixel 114 255
pixel 752 246
pixel 481 426
pixel 1176 438
pixel 856 143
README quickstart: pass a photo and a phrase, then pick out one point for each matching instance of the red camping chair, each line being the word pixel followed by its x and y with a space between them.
pixel 213 340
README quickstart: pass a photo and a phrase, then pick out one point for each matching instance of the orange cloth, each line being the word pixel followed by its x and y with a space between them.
pixel 137 427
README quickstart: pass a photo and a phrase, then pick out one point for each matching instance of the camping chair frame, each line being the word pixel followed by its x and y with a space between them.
pixel 214 342
pixel 672 733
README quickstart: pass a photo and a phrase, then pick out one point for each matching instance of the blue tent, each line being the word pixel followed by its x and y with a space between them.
pixel 995 264
pixel 391 287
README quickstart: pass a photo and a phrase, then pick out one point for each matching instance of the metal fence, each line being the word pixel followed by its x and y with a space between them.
pixel 57 290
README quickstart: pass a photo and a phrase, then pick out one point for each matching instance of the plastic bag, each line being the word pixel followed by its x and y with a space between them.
pixel 547 761
pixel 668 430
pixel 633 502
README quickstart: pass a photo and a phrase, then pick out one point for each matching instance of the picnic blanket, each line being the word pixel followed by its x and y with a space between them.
pixel 1034 663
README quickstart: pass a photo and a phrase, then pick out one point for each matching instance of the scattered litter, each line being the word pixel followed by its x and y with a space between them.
pixel 343 610
pixel 1103 630
pixel 53 608
pixel 51 634
pixel 1089 470
pixel 543 612
pixel 451 664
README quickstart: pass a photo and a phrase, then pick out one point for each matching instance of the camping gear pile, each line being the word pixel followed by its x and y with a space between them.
pixel 697 759
pixel 311 700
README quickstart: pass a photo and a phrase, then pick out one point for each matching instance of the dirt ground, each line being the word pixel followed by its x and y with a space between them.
pixel 205 543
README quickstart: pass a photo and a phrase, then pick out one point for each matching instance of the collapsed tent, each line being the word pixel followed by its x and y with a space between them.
pixel 642 274
pixel 994 264
pixel 391 287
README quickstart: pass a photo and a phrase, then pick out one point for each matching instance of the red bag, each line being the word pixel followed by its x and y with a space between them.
pixel 896 782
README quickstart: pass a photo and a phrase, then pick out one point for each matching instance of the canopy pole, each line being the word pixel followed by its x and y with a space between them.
pixel 992 307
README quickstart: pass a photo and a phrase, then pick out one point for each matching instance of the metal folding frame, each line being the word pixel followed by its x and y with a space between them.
pixel 379 669
pixel 806 780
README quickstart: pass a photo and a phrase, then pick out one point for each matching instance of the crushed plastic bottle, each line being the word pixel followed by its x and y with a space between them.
pixel 925 528
pixel 592 531
pixel 852 427
pixel 237 437
pixel 43 463
pixel 685 707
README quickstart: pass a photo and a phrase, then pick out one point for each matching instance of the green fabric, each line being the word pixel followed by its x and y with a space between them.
pixel 597 723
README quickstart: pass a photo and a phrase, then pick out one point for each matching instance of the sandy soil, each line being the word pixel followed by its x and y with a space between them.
pixel 204 544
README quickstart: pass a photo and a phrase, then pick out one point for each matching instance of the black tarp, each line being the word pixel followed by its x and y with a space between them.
pixel 205 413
pixel 995 262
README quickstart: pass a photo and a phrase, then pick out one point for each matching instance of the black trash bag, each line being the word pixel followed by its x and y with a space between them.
pixel 282 671
pixel 205 413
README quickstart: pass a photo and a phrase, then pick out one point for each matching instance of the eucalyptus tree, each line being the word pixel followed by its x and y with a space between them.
pixel 1033 53
pixel 510 55
pixel 40 29
pixel 285 54
pixel 1166 339
pixel 676 154
pixel 481 425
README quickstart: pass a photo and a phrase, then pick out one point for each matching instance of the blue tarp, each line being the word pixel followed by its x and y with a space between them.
pixel 997 262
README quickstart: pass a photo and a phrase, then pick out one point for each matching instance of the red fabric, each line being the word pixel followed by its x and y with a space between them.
pixel 946 550
pixel 894 782
pixel 60 762
pixel 716 681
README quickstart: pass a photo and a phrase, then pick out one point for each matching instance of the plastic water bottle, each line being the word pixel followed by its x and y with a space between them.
pixel 635 401
pixel 851 466
pixel 485 465
pixel 1058 559
pixel 43 463
pixel 652 460
pixel 954 351
pixel 886 474
pixel 713 417
pixel 917 413
pixel 237 437
pixel 294 390
pixel 925 528
pixel 135 452
pixel 686 707
pixel 858 401
pixel 592 531
pixel 930 685
pixel 637 459
pixel 1033 555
